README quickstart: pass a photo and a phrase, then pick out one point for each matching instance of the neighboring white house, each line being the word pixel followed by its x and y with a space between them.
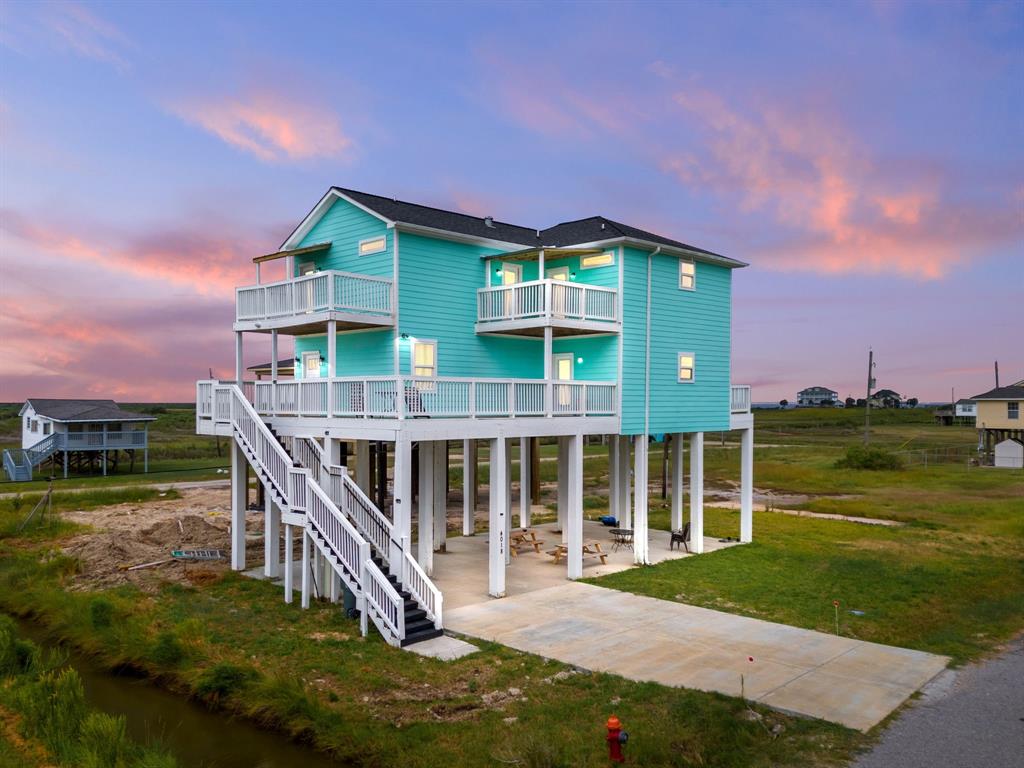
pixel 67 429
pixel 1009 454
pixel 813 396
pixel 966 409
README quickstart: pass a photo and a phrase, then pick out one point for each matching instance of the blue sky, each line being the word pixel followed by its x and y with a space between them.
pixel 864 158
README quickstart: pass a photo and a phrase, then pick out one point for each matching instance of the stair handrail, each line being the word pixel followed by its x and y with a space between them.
pixel 12 465
pixel 420 586
pixel 383 603
pixel 266 450
pixel 364 513
pixel 42 450
pixel 308 453
pixel 342 537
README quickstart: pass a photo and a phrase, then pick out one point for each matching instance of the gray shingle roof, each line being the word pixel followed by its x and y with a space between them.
pixel 84 410
pixel 568 233
pixel 1013 392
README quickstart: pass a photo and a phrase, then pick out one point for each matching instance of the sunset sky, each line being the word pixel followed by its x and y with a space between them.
pixel 867 159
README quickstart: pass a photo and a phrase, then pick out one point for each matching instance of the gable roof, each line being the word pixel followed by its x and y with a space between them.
pixel 593 229
pixel 83 410
pixel 886 393
pixel 1012 392
pixel 817 389
pixel 288 363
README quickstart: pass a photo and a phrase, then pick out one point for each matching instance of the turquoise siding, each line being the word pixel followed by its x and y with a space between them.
pixel 681 321
pixel 600 356
pixel 437 285
pixel 344 225
pixel 361 353
pixel 607 277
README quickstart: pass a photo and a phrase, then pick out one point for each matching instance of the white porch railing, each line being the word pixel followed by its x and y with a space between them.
pixel 383 603
pixel 319 292
pixel 739 398
pixel 378 397
pixel 547 301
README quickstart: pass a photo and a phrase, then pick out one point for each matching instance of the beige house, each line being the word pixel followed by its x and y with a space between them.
pixel 999 416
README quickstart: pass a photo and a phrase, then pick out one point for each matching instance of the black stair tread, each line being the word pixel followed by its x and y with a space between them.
pixel 414 614
pixel 415 626
pixel 419 637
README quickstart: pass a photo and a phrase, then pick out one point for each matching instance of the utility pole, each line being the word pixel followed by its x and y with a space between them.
pixel 997 374
pixel 867 400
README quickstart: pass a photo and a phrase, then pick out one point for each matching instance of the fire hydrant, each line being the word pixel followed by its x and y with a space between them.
pixel 616 738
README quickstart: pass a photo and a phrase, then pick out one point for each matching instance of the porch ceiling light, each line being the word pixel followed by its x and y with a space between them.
pixel 579 359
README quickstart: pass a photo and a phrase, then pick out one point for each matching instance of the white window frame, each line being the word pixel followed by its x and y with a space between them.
pixel 609 254
pixel 412 357
pixel 682 275
pixel 679 367
pixel 35 426
pixel 383 245
pixel 46 427
pixel 1015 407
pixel 305 368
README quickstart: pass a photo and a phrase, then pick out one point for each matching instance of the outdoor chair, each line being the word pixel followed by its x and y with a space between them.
pixel 681 537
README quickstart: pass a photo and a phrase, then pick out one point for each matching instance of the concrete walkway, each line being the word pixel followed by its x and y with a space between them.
pixel 972 717
pixel 834 678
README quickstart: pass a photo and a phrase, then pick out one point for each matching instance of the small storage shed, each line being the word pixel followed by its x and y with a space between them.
pixel 1009 454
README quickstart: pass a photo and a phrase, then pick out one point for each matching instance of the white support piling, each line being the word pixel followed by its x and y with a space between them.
pixel 271 537
pixel 697 492
pixel 289 574
pixel 425 508
pixel 677 481
pixel 305 568
pixel 440 496
pixel 469 494
pixel 641 544
pixel 574 515
pixel 563 484
pixel 747 485
pixel 497 543
pixel 625 481
pixel 508 499
pixel 238 499
pixel 613 476
pixel 401 512
pixel 363 466
pixel 524 482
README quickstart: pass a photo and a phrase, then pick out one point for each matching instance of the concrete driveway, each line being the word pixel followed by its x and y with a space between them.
pixel 834 678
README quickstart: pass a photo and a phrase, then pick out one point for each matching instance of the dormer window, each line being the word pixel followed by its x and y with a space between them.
pixel 605 259
pixel 373 245
pixel 687 275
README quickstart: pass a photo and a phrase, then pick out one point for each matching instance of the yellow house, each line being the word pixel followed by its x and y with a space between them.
pixel 999 415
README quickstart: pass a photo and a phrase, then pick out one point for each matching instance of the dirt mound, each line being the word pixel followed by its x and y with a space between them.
pixel 127 535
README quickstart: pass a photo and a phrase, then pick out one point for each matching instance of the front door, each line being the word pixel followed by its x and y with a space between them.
pixel 561 368
pixel 558 291
pixel 310 365
pixel 510 275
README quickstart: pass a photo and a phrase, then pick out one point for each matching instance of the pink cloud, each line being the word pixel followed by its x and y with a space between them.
pixel 188 256
pixel 272 126
pixel 86 34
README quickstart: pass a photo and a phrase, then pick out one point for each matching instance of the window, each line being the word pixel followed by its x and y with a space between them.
pixel 685 367
pixel 424 358
pixel 28 422
pixel 373 245
pixel 1013 410
pixel 46 428
pixel 598 260
pixel 35 425
pixel 687 275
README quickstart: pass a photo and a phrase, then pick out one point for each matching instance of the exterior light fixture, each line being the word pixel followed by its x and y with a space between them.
pixel 498 271
pixel 405 335
pixel 572 275
pixel 579 360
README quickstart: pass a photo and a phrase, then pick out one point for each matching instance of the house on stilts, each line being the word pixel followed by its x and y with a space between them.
pixel 415 327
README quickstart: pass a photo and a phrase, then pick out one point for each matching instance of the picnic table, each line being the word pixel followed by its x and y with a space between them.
pixel 591 549
pixel 523 539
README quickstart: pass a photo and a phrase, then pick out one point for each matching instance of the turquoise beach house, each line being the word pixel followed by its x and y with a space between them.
pixel 415 328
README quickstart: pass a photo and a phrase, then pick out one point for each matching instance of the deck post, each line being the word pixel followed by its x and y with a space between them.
pixel 425 507
pixel 697 492
pixel 363 466
pixel 613 477
pixel 289 576
pixel 440 495
pixel 332 363
pixel 65 465
pixel 625 505
pixel 563 471
pixel 401 512
pixel 145 449
pixel 508 499
pixel 468 487
pixel 273 356
pixel 104 449
pixel 641 545
pixel 747 485
pixel 305 568
pixel 271 538
pixel 574 518
pixel 525 499
pixel 239 370
pixel 677 481
pixel 238 503
pixel 497 543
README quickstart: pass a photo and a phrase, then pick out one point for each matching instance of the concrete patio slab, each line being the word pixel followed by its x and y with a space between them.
pixel 846 681
pixel 444 648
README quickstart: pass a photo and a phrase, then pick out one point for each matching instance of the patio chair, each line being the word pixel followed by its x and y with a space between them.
pixel 681 537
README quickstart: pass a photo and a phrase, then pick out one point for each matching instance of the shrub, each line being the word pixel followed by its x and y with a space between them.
pixel 223 679
pixel 101 612
pixel 103 741
pixel 54 709
pixel 867 457
pixel 167 650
